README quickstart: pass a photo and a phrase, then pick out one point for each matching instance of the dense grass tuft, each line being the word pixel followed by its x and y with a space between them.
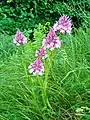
pixel 22 95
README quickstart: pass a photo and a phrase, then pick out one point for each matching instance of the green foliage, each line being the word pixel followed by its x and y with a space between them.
pixel 27 14
pixel 6 46
pixel 68 88
pixel 41 31
pixel 77 10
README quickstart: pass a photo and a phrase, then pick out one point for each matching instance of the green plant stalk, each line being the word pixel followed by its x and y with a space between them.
pixel 73 52
pixel 45 82
pixel 41 86
pixel 23 63
pixel 47 68
pixel 35 98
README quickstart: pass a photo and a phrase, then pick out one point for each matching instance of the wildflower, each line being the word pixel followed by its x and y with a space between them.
pixel 37 67
pixel 63 25
pixel 19 38
pixel 51 41
pixel 41 53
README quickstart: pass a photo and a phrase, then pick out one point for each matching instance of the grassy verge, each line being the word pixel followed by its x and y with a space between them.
pixel 68 87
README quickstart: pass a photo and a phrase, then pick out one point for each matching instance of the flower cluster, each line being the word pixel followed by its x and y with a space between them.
pixel 52 41
pixel 19 38
pixel 37 67
pixel 63 25
pixel 41 53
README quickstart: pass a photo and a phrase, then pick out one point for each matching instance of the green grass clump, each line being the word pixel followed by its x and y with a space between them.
pixel 68 87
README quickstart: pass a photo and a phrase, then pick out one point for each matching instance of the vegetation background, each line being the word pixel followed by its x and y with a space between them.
pixel 26 14
pixel 68 89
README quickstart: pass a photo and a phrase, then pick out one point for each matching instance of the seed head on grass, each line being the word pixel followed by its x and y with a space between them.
pixel 37 67
pixel 19 38
pixel 63 25
pixel 52 41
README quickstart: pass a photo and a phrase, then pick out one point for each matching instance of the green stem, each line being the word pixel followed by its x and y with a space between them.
pixel 47 68
pixel 23 62
pixel 73 51
pixel 45 83
pixel 42 90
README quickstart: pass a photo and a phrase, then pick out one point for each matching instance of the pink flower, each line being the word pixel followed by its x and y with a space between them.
pixel 52 41
pixel 41 52
pixel 37 67
pixel 63 25
pixel 19 38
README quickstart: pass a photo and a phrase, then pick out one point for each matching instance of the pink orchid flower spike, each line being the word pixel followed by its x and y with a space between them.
pixel 37 67
pixel 63 25
pixel 19 38
pixel 51 41
pixel 41 53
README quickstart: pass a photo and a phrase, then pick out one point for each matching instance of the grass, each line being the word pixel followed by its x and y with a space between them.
pixel 22 96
